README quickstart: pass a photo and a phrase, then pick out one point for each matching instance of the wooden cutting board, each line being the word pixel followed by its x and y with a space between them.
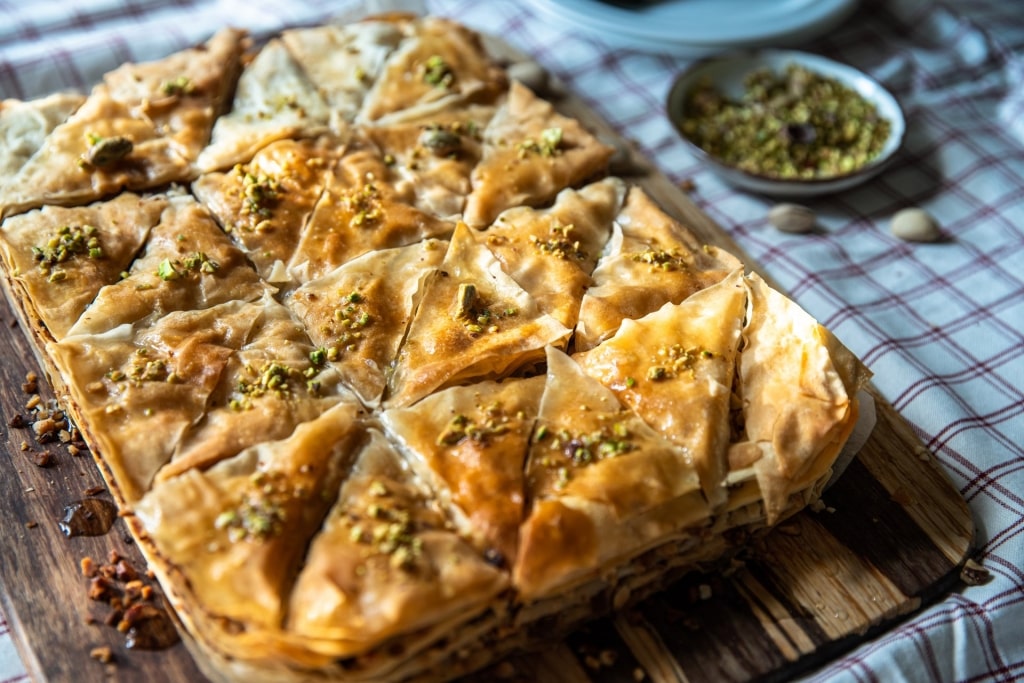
pixel 893 536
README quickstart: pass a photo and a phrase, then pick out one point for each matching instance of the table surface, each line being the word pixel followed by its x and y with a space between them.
pixel 941 325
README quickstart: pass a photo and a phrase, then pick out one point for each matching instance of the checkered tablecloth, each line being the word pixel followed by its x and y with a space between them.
pixel 941 325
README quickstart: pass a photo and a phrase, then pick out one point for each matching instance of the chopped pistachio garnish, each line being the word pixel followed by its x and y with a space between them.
pixel 259 192
pixel 68 241
pixel 794 124
pixel 197 262
pixel 142 368
pixel 660 259
pixel 166 270
pixel 438 73
pixel 440 140
pixel 470 309
pixel 560 244
pixel 272 378
pixel 182 85
pixel 106 151
pixel 465 299
pixel 260 514
pixel 352 318
pixel 549 143
pixel 611 439
pixel 200 262
pixel 492 420
pixel 671 361
pixel 364 203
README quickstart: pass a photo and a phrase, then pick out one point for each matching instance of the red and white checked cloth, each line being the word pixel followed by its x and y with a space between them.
pixel 941 325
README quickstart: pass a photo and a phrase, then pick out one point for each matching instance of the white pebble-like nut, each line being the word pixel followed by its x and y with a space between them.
pixel 792 218
pixel 915 225
pixel 531 74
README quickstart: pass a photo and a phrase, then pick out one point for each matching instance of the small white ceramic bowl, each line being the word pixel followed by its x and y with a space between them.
pixel 727 73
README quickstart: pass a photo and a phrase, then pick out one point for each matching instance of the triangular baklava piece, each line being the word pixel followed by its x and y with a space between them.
pixel 473 322
pixel 361 210
pixel 139 389
pixel 652 260
pixel 100 150
pixel 797 391
pixel 188 264
pixel 236 533
pixel 264 205
pixel 435 155
pixel 551 252
pixel 62 257
pixel 25 125
pixel 469 444
pixel 675 367
pixel 357 315
pixel 344 61
pixel 141 128
pixel 271 383
pixel 273 101
pixel 531 153
pixel 185 92
pixel 386 563
pixel 602 486
pixel 439 65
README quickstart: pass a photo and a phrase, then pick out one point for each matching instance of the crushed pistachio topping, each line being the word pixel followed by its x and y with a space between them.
pixel 793 124
pixel 548 144
pixel 260 514
pixel 438 73
pixel 143 368
pixel 364 203
pixel 181 85
pixel 259 192
pixel 672 361
pixel 352 317
pixel 386 527
pixel 274 379
pixel 560 243
pixel 105 151
pixel 67 242
pixel 492 420
pixel 661 259
pixel 197 262
pixel 612 438
pixel 440 140
pixel 469 308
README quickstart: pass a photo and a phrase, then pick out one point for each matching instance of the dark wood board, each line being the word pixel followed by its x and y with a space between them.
pixel 894 536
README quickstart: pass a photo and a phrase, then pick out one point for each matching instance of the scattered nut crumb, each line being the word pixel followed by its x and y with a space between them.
pixel 102 654
pixel 687 185
pixel 973 574
pixel 43 459
pixel 31 525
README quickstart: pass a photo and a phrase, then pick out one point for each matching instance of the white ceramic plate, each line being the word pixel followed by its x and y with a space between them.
pixel 693 27
pixel 727 72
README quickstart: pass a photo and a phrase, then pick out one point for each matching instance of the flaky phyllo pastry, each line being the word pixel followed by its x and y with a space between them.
pixel 387 374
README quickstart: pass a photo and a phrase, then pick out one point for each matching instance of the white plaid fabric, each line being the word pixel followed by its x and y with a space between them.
pixel 941 325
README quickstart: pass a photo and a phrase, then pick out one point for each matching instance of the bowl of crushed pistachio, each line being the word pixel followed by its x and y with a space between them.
pixel 786 123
